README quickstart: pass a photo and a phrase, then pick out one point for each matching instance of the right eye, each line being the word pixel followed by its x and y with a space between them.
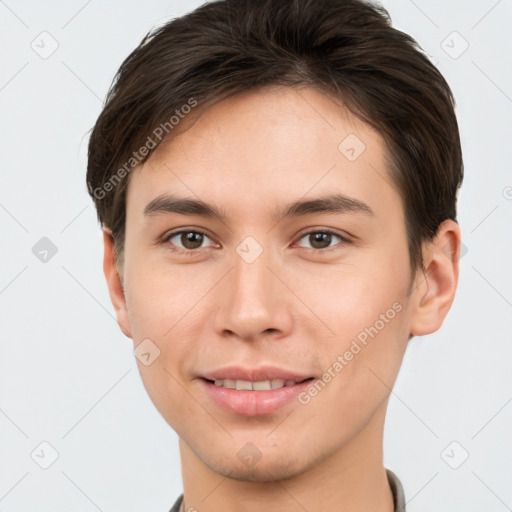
pixel 190 239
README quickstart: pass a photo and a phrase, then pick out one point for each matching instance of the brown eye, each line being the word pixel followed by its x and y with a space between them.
pixel 191 240
pixel 187 240
pixel 322 240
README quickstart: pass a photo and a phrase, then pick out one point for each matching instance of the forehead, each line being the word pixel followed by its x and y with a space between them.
pixel 268 147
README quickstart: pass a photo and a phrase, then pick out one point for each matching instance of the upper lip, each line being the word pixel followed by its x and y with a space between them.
pixel 254 374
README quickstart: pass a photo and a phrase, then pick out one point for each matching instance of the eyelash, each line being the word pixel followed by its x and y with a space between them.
pixel 191 252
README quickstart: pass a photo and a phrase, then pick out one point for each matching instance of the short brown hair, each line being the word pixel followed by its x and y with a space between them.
pixel 345 47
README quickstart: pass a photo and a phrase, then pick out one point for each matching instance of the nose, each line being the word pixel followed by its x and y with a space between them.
pixel 253 302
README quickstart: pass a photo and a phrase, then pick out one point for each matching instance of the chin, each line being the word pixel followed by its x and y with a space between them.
pixel 268 468
pixel 262 472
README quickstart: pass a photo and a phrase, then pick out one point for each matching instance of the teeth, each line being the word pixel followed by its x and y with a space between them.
pixel 243 385
pixel 227 383
pixel 247 385
pixel 277 383
pixel 264 385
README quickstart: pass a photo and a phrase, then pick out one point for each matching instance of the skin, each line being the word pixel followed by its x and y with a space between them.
pixel 292 307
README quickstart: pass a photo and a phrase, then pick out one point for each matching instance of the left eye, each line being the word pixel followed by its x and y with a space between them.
pixel 321 239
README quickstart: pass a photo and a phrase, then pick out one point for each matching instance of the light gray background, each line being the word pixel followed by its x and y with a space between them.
pixel 68 375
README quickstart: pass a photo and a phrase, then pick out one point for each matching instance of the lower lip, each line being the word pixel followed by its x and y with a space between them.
pixel 253 403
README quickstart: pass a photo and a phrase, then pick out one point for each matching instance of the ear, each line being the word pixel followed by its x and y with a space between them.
pixel 434 289
pixel 115 287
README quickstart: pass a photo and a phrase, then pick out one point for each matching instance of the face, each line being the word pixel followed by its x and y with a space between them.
pixel 315 296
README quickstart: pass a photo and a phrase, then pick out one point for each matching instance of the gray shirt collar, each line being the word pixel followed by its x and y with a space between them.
pixel 394 483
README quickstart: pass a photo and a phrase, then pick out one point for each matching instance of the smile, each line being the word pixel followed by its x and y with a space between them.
pixel 247 385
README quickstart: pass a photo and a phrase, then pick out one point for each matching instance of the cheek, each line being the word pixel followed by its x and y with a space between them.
pixel 159 296
pixel 170 307
pixel 367 315
pixel 149 308
pixel 360 367
pixel 352 297
pixel 372 335
pixel 159 308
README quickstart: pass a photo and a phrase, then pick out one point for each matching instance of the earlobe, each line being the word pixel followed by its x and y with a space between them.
pixel 435 287
pixel 114 283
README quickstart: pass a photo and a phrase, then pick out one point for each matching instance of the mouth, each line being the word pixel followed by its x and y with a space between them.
pixel 261 385
pixel 255 392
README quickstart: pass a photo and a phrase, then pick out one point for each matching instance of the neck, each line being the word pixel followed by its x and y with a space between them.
pixel 351 478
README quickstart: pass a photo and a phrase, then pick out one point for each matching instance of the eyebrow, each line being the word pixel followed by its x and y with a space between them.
pixel 332 204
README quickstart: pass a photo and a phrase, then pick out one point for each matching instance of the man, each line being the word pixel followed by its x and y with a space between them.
pixel 277 182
